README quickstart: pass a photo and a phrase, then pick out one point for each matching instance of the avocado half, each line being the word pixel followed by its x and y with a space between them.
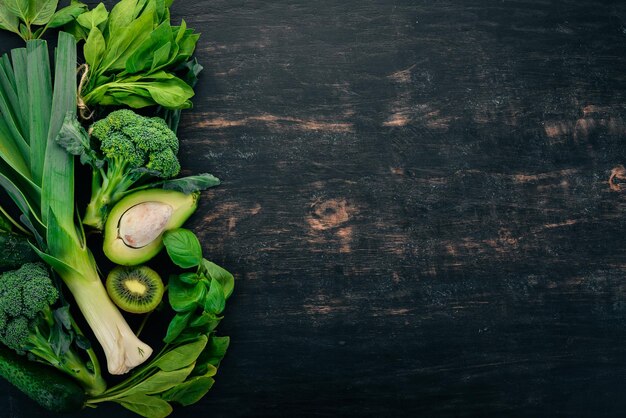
pixel 133 233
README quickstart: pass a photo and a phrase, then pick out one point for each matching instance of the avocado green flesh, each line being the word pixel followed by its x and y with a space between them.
pixel 128 251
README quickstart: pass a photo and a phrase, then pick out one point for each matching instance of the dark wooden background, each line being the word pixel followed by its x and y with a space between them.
pixel 416 205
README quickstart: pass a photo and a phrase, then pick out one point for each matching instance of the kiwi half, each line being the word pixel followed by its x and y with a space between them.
pixel 135 289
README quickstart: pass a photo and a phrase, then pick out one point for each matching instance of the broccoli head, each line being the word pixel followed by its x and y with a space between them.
pixel 131 148
pixel 26 295
pixel 138 142
pixel 30 324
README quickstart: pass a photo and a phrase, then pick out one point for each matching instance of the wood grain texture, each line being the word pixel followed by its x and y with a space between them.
pixel 416 205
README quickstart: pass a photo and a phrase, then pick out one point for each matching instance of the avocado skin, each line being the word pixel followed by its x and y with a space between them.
pixel 183 205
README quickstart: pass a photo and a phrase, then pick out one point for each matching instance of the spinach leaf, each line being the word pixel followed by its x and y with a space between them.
pixel 146 406
pixel 177 326
pixel 160 381
pixel 181 356
pixel 189 392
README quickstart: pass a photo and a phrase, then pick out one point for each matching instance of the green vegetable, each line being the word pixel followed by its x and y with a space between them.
pixel 38 176
pixel 183 248
pixel 134 229
pixel 132 148
pixel 183 371
pixel 44 385
pixel 127 150
pixel 29 323
pixel 132 55
pixel 23 16
pixel 15 250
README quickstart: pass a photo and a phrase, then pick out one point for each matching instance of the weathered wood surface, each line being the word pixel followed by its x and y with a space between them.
pixel 416 204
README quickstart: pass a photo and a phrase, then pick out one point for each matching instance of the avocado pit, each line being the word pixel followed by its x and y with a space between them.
pixel 143 223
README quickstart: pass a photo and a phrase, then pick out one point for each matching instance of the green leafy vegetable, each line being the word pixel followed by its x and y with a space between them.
pixel 29 322
pixel 38 176
pixel 134 55
pixel 183 248
pixel 30 19
pixel 125 152
pixel 183 371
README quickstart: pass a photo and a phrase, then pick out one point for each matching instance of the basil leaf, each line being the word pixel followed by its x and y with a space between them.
pixel 177 326
pixel 146 406
pixel 215 301
pixel 189 392
pixel 189 278
pixel 218 273
pixel 182 356
pixel 192 184
pixel 183 248
pixel 184 297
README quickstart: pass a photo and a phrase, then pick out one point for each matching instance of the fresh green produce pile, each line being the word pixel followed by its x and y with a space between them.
pixel 54 114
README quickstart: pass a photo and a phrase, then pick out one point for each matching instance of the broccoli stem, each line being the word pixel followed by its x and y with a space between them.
pixel 69 363
pixel 106 190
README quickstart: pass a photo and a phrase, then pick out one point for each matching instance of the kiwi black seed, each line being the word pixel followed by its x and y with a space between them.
pixel 135 289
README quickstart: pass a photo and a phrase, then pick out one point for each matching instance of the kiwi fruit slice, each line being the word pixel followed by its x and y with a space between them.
pixel 135 289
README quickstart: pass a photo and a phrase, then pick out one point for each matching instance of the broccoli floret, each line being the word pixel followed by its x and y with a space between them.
pixel 131 148
pixel 28 324
pixel 25 295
